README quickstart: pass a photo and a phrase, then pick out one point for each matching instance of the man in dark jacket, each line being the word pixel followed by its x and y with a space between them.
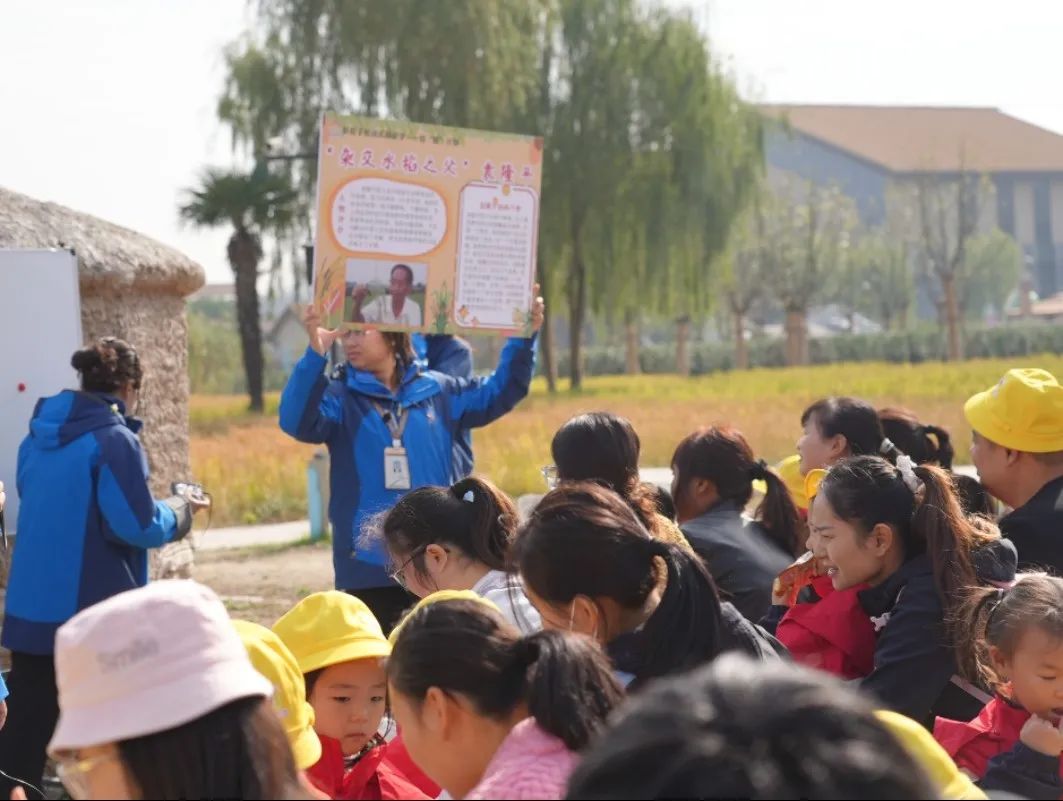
pixel 1018 450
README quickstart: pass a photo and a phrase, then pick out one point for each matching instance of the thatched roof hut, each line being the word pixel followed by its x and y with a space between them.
pixel 132 287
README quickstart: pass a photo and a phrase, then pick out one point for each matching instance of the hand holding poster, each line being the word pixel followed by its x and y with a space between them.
pixel 425 228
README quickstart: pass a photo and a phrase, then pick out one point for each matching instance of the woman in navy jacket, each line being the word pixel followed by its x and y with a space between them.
pixel 390 427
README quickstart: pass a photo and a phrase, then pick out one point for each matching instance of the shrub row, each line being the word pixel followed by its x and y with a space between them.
pixel 896 347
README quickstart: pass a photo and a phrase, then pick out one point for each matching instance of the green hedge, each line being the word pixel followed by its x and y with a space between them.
pixel 903 347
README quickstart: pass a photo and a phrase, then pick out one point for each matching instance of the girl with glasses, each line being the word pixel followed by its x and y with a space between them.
pixel 458 538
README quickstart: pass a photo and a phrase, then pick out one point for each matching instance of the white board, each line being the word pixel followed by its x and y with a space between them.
pixel 40 328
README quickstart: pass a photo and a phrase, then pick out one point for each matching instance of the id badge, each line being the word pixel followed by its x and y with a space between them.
pixel 396 469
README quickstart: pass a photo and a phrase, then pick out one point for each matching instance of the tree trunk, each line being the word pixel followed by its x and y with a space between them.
pixel 741 346
pixel 796 337
pixel 1025 303
pixel 244 256
pixel 631 343
pixel 546 335
pixel 577 307
pixel 952 317
pixel 682 345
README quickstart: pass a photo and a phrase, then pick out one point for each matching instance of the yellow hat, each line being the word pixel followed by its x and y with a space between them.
pixel 328 628
pixel 273 660
pixel 789 470
pixel 1023 412
pixel 812 481
pixel 930 756
pixel 436 597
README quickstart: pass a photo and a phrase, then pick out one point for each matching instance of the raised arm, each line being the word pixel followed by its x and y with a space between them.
pixel 305 411
pixel 478 401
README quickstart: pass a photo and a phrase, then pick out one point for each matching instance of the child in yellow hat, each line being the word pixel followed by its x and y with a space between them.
pixel 1018 450
pixel 340 649
pixel 275 662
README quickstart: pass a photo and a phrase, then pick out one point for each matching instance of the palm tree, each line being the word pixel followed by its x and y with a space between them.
pixel 253 204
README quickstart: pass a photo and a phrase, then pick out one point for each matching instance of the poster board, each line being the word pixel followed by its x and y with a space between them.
pixel 40 327
pixel 445 218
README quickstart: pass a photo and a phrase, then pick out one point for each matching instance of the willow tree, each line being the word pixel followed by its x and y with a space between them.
pixel 469 63
pixel 882 277
pixel 695 154
pixel 993 272
pixel 743 273
pixel 589 142
pixel 639 182
pixel 805 242
pixel 950 210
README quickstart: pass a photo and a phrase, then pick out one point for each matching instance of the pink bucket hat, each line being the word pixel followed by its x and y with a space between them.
pixel 146 661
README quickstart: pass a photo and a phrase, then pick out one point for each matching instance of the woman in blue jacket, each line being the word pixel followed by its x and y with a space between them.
pixel 85 524
pixel 390 427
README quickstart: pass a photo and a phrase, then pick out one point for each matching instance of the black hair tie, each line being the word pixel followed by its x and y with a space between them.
pixel 525 653
pixel 759 471
pixel 994 600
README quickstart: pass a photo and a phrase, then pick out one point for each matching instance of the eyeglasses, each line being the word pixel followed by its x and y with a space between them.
pixel 397 576
pixel 550 476
pixel 73 772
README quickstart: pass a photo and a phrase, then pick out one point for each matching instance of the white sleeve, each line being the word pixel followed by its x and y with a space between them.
pixel 371 313
pixel 515 608
pixel 415 314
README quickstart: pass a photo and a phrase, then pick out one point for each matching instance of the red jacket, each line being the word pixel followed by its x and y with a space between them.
pixel 400 760
pixel 832 634
pixel 994 731
pixel 373 777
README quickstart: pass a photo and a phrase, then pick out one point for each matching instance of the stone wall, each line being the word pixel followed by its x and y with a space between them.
pixel 132 287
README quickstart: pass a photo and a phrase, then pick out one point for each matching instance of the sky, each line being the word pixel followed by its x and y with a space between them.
pixel 108 106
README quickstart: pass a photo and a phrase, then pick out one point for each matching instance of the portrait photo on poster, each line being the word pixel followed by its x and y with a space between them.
pixel 386 292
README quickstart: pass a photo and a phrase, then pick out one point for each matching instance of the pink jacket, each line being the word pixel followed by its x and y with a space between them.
pixel 529 764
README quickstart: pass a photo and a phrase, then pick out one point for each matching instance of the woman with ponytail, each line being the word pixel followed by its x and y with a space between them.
pixel 589 565
pixel 926 444
pixel 714 470
pixel 604 448
pixel 487 713
pixel 901 531
pixel 838 428
pixel 458 538
pixel 86 524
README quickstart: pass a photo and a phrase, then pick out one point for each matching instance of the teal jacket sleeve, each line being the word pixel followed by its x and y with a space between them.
pixel 305 411
pixel 131 515
pixel 475 402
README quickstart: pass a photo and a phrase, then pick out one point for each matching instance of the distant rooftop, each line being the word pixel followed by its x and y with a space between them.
pixel 915 139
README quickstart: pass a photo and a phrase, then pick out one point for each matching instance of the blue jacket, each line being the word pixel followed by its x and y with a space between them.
pixel 341 413
pixel 453 356
pixel 86 517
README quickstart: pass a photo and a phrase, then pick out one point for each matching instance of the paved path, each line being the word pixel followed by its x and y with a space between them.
pixel 252 536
